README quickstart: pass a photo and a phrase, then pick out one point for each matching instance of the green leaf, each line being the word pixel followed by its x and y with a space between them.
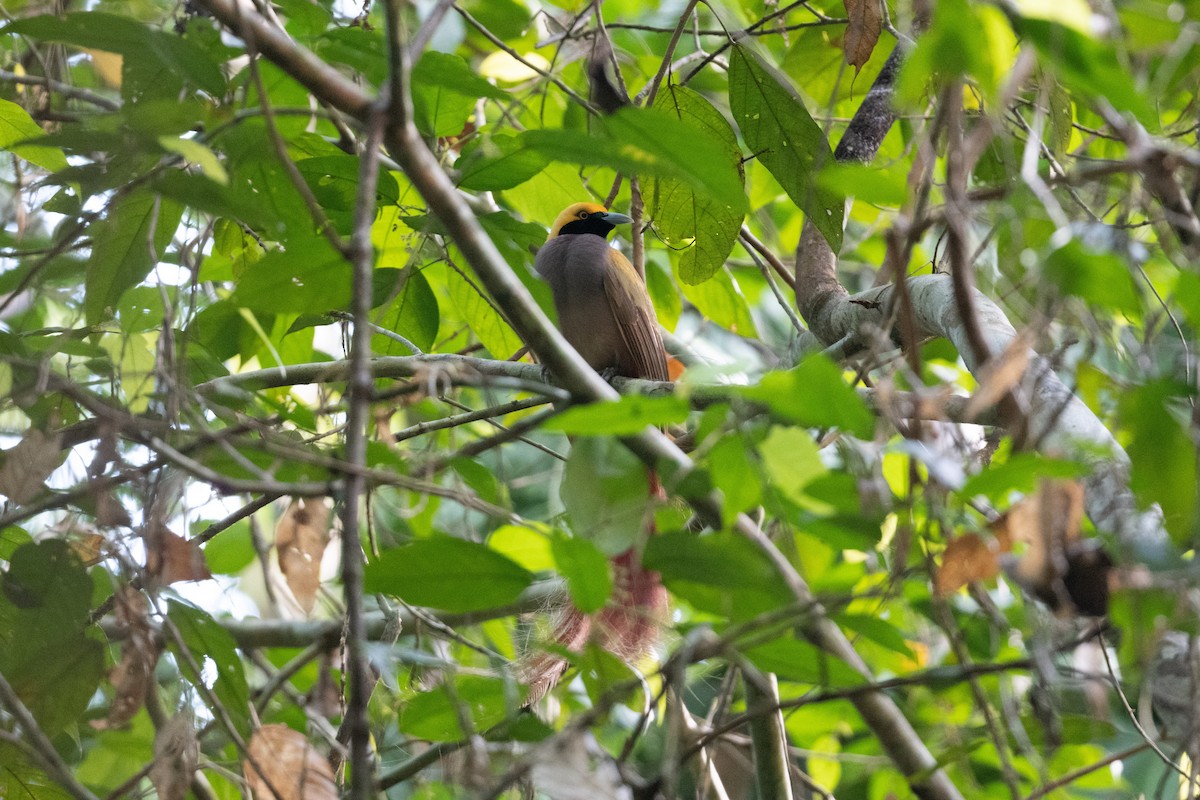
pixel 444 92
pixel 1088 66
pixel 204 640
pixel 527 545
pixel 20 779
pixel 436 715
pixel 485 320
pixel 791 459
pixel 606 490
pixel 867 183
pixel 231 550
pixel 198 154
pixel 1020 473
pixel 1097 277
pixel 45 652
pixel 781 134
pixel 699 225
pixel 816 395
pixel 953 47
pixel 648 142
pixel 497 162
pixel 877 630
pixel 11 539
pixel 720 300
pixel 412 313
pixel 604 673
pixel 1163 455
pixel 148 53
pixel 586 569
pixel 310 276
pixel 16 128
pixel 448 573
pixel 734 475
pixel 719 573
pixel 663 293
pixel 794 660
pixel 626 416
pixel 126 245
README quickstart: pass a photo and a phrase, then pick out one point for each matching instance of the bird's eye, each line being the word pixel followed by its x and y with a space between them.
pixel 583 215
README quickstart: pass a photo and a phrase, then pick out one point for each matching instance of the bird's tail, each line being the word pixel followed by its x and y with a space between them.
pixel 628 626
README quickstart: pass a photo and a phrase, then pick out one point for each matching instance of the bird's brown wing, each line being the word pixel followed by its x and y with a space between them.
pixel 634 312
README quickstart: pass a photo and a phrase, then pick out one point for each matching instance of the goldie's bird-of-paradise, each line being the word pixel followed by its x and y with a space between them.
pixel 605 313
pixel 603 309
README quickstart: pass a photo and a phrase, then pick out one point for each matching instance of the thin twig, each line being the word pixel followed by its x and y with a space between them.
pixel 361 253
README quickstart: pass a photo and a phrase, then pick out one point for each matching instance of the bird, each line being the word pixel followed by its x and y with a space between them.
pixel 606 314
pixel 602 304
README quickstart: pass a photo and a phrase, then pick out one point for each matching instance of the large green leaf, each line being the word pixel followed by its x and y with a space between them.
pixel 476 308
pixel 412 313
pixel 814 394
pixel 734 475
pixel 444 92
pixel 1163 455
pixel 791 459
pixel 605 490
pixel 589 578
pixel 45 652
pixel 649 142
pixel 448 573
pixel 16 128
pixel 703 228
pixel 203 639
pixel 126 245
pixel 780 132
pixel 497 162
pixel 1098 277
pixel 721 573
pixel 437 715
pixel 623 417
pixel 21 779
pixel 154 59
pixel 1088 66
pixel 720 301
pixel 794 660
pixel 310 276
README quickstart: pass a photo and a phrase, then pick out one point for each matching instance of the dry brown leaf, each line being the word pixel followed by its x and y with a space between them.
pixel 170 558
pixel 968 558
pixel 1002 375
pixel 176 754
pixel 89 546
pixel 282 765
pixel 300 538
pixel 109 511
pixel 1067 573
pixel 133 675
pixel 862 31
pixel 28 464
pixel 1045 522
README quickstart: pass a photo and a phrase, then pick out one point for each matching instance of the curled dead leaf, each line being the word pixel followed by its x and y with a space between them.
pixel 1001 375
pixel 282 765
pixel 1069 574
pixel 300 539
pixel 862 31
pixel 176 753
pixel 133 675
pixel 170 558
pixel 967 559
